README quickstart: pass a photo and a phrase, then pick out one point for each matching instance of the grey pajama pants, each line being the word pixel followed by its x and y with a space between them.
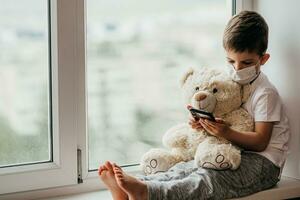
pixel 186 182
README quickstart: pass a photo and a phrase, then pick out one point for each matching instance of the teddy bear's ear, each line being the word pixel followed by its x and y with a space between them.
pixel 186 75
pixel 245 90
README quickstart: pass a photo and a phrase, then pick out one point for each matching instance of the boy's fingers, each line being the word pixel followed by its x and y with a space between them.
pixel 207 123
pixel 193 122
pixel 208 127
pixel 192 119
pixel 210 123
pixel 198 128
pixel 220 120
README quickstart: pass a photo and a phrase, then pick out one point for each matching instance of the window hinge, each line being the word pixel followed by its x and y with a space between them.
pixel 79 167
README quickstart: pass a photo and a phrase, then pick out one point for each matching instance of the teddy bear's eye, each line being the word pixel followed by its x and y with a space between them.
pixel 197 88
pixel 215 90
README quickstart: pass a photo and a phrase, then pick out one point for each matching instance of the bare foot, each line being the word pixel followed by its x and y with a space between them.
pixel 107 175
pixel 134 188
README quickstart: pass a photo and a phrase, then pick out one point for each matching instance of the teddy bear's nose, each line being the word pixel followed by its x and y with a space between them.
pixel 200 97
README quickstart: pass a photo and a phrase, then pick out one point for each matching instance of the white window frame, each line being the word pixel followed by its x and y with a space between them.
pixel 62 171
pixel 68 35
pixel 241 5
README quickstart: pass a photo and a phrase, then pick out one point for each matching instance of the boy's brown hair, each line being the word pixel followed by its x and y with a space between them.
pixel 246 31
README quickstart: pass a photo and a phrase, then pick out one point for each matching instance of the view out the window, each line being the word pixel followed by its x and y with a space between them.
pixel 24 82
pixel 137 52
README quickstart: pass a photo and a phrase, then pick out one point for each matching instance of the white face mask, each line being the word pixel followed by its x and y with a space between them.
pixel 243 76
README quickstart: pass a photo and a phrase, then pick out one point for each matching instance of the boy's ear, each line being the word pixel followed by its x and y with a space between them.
pixel 265 58
pixel 186 75
pixel 245 92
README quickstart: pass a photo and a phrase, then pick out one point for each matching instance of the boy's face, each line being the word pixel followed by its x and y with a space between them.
pixel 241 60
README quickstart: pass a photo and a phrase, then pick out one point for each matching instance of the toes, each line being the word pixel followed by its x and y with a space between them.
pixel 101 169
pixel 118 173
pixel 117 170
pixel 108 165
pixel 119 178
pixel 117 166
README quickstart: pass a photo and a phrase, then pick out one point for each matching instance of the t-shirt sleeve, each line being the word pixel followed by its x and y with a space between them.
pixel 268 107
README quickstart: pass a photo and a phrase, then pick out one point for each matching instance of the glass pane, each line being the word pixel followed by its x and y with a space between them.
pixel 24 82
pixel 137 51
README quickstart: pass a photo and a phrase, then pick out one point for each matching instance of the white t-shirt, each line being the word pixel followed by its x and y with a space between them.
pixel 264 105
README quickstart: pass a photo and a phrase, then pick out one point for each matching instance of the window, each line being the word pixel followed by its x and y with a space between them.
pixel 36 96
pixel 24 83
pixel 136 52
pixel 98 76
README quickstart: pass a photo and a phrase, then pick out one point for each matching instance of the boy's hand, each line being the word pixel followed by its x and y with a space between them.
pixel 195 124
pixel 219 128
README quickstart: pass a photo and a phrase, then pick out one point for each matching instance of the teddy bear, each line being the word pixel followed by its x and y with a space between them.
pixel 211 90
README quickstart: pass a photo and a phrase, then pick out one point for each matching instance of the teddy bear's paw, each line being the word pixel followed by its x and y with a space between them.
pixel 150 168
pixel 157 160
pixel 219 163
pixel 154 166
pixel 217 156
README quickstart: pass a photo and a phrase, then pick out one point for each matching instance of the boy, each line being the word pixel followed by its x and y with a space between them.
pixel 245 41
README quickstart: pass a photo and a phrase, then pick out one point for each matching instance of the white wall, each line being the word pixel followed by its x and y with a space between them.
pixel 283 68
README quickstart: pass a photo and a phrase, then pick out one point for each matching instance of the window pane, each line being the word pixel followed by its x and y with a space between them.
pixel 24 82
pixel 136 54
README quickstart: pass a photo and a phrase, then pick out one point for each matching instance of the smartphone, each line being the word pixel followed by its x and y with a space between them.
pixel 197 114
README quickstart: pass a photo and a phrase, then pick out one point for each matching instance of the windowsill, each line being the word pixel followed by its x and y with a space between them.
pixel 286 188
pixel 98 195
